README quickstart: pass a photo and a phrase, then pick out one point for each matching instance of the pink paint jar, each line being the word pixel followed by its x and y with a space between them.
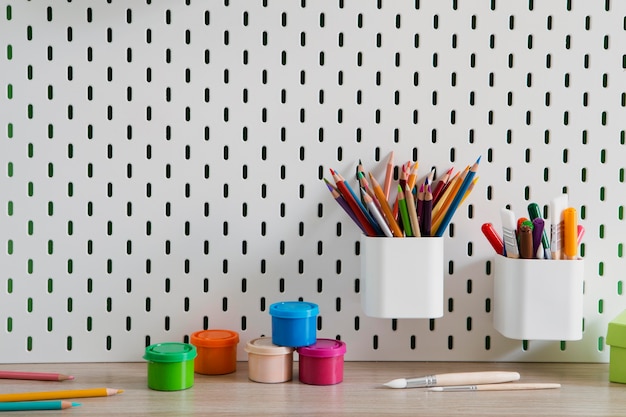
pixel 322 362
pixel 269 363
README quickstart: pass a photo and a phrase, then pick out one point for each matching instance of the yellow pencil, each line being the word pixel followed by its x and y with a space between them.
pixel 58 395
pixel 469 190
pixel 446 194
pixel 443 204
pixel 380 196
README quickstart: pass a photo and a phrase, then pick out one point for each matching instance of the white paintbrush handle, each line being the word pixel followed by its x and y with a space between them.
pixel 497 387
pixel 475 378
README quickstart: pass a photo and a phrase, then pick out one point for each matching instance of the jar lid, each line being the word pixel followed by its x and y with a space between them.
pixel 214 338
pixel 170 352
pixel 323 348
pixel 264 346
pixel 294 309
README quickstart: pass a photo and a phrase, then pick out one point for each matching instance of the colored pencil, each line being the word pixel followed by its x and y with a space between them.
pixel 36 376
pixel 420 203
pixel 410 205
pixel 401 182
pixel 354 204
pixel 59 395
pixel 441 185
pixel 369 203
pixel 445 199
pixel 359 172
pixel 388 176
pixel 412 176
pixel 36 405
pixel 406 223
pixel 391 221
pixel 366 186
pixel 426 217
pixel 342 202
pixel 457 199
pixel 366 213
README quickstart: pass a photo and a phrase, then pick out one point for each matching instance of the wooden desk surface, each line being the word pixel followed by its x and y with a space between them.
pixel 585 391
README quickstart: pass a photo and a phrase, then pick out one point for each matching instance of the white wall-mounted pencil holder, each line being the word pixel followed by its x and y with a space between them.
pixel 538 299
pixel 402 277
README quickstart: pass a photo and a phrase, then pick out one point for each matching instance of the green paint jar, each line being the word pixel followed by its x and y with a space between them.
pixel 170 366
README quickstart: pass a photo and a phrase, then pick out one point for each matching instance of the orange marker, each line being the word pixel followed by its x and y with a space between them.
pixel 570 233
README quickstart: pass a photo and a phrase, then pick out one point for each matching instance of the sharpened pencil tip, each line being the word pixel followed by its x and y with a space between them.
pixel 478 160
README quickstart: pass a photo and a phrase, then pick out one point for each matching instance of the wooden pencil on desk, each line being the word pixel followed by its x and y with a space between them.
pixel 35 376
pixel 36 405
pixel 59 395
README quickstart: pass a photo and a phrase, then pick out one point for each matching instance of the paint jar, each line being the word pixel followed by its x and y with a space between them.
pixel 322 362
pixel 269 363
pixel 538 299
pixel 402 278
pixel 217 351
pixel 170 366
pixel 294 323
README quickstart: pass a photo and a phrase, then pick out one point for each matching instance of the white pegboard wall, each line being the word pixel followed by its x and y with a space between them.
pixel 162 164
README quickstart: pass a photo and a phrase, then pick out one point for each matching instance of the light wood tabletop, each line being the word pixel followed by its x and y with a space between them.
pixel 585 391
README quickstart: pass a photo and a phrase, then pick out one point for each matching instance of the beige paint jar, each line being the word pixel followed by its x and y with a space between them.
pixel 269 363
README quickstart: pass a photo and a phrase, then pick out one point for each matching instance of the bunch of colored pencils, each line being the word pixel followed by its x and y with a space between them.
pixel 46 400
pixel 416 209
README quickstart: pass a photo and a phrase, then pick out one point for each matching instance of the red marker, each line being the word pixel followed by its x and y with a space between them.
pixel 581 233
pixel 493 237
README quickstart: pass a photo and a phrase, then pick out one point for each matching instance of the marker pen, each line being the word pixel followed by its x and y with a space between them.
pixel 508 229
pixel 557 206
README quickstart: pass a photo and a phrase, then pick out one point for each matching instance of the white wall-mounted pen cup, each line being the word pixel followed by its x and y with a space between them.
pixel 537 299
pixel 402 277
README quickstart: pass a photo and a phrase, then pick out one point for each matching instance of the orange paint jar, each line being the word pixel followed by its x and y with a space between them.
pixel 217 351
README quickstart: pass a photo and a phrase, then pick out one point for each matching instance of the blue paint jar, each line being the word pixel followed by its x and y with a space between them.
pixel 294 323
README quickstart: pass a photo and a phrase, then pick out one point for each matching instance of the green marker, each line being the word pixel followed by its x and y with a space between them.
pixel 534 212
